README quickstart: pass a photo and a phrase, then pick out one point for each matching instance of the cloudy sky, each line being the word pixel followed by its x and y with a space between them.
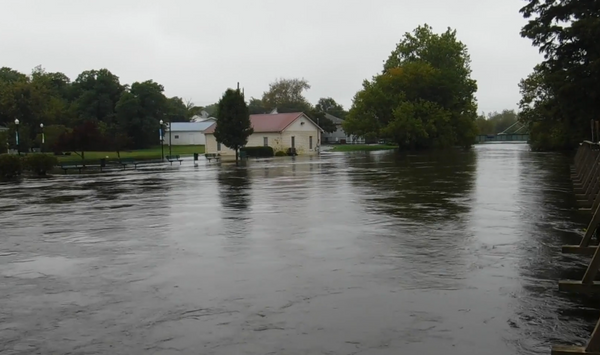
pixel 199 48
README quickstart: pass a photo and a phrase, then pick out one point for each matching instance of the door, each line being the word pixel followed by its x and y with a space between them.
pixel 293 142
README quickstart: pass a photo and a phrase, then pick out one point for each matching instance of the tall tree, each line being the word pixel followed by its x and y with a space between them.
pixel 286 95
pixel 233 121
pixel 328 105
pixel 177 110
pixel 95 94
pixel 256 106
pixel 424 98
pixel 562 95
pixel 139 111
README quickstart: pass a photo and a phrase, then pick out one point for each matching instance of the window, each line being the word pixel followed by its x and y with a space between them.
pixel 176 136
pixel 293 142
pixel 309 142
pixel 266 141
pixel 218 146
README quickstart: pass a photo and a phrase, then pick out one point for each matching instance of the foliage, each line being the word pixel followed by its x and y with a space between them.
pixel 496 122
pixel 52 135
pixel 177 110
pixel 321 120
pixel 328 105
pixel 3 141
pixel 286 95
pixel 280 153
pixel 256 107
pixel 258 152
pixel 95 95
pixel 10 165
pixel 233 121
pixel 423 99
pixel 84 137
pixel 40 163
pixel 212 109
pixel 561 96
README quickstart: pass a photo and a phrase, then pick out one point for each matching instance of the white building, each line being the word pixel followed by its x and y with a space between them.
pixel 279 131
pixel 187 133
pixel 339 136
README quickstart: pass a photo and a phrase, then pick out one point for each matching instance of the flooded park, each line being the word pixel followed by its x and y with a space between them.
pixel 344 253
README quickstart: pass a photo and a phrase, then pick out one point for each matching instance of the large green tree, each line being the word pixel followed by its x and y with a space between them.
pixel 95 94
pixel 330 106
pixel 424 98
pixel 139 111
pixel 286 95
pixel 562 95
pixel 233 121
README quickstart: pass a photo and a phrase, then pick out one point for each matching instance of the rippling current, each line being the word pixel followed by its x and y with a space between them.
pixel 346 253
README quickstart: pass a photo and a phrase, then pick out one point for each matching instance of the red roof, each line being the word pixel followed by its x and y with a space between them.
pixel 267 123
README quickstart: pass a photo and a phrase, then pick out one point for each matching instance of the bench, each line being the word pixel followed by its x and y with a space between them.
pixel 172 158
pixel 211 156
pixel 128 161
pixel 79 166
pixel 69 166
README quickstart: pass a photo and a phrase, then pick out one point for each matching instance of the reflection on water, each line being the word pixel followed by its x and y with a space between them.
pixel 369 252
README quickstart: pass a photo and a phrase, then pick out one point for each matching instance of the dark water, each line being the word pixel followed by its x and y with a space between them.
pixel 360 253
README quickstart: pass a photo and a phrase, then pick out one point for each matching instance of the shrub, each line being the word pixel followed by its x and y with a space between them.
pixel 258 152
pixel 280 153
pixel 40 163
pixel 10 165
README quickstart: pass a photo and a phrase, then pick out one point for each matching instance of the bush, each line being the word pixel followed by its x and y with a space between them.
pixel 40 163
pixel 280 153
pixel 258 152
pixel 10 165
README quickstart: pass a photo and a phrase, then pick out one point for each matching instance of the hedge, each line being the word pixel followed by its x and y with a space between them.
pixel 10 165
pixel 40 163
pixel 258 152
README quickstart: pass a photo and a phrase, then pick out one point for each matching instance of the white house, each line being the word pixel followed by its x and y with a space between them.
pixel 187 133
pixel 339 136
pixel 279 131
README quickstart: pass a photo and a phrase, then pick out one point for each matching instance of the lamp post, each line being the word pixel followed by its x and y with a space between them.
pixel 162 144
pixel 17 136
pixel 170 139
pixel 43 138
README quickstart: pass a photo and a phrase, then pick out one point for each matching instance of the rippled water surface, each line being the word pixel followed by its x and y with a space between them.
pixel 355 253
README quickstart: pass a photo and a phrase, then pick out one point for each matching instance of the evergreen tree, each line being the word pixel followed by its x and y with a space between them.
pixel 233 121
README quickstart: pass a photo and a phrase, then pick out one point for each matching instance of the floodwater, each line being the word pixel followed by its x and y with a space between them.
pixel 346 253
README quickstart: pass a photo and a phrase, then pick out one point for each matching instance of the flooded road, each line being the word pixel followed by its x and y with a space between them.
pixel 346 253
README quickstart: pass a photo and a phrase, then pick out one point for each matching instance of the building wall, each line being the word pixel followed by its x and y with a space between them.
pixel 275 140
pixel 186 138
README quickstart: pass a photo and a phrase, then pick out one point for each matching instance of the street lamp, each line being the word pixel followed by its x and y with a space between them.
pixel 17 136
pixel 170 139
pixel 162 137
pixel 43 138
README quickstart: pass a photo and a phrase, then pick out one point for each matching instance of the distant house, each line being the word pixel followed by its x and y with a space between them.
pixel 187 133
pixel 3 129
pixel 203 116
pixel 277 130
pixel 339 136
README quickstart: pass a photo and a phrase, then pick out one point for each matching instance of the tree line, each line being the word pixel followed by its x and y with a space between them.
pixel 496 122
pixel 98 112
pixel 94 111
pixel 560 98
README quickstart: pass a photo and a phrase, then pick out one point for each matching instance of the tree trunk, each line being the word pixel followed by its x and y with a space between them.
pixel 236 156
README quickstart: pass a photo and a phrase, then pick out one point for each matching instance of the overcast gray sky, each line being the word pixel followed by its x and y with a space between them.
pixel 199 48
